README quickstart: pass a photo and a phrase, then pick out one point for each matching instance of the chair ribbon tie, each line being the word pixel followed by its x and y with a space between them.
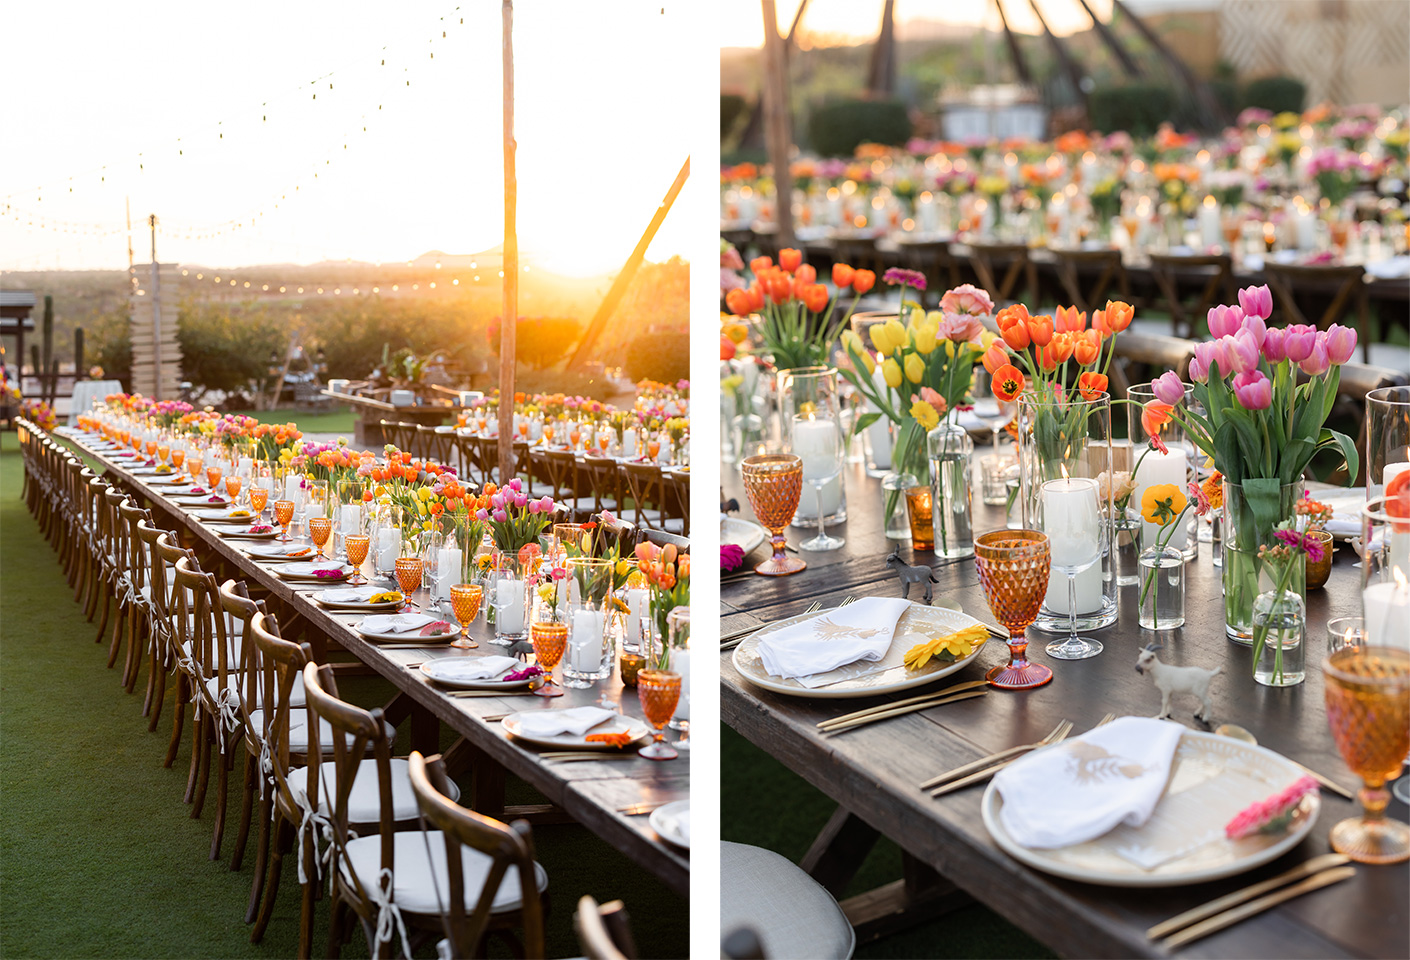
pixel 229 703
pixel 321 824
pixel 266 767
pixel 387 914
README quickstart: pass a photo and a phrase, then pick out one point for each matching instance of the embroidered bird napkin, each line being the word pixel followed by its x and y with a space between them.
pixel 550 723
pixel 860 631
pixel 1080 789
pixel 394 622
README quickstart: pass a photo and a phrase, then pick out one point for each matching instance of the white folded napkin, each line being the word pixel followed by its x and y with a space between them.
pixel 473 668
pixel 550 723
pixel 394 622
pixel 858 631
pixel 1389 269
pixel 1082 788
pixel 350 595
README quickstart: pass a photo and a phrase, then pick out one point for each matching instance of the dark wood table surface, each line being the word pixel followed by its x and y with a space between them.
pixel 873 772
pixel 590 792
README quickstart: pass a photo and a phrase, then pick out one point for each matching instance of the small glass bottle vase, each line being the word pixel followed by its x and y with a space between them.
pixel 949 448
pixel 1162 580
pixel 1282 660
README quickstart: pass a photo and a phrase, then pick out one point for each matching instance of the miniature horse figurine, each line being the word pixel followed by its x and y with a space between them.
pixel 908 575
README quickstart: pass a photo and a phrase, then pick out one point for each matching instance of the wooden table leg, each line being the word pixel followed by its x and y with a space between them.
pixel 838 851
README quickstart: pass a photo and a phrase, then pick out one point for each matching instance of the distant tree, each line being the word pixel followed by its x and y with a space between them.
pixel 227 348
pixel 109 336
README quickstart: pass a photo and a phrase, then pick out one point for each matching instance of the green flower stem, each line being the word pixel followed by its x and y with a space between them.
pixel 1169 530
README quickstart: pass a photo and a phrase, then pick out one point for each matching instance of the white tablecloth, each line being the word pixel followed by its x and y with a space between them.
pixel 84 393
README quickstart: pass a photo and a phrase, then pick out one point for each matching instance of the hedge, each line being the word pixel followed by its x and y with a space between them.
pixel 835 128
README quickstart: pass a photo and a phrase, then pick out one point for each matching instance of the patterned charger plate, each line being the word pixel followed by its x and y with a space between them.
pixel 887 675
pixel 1212 779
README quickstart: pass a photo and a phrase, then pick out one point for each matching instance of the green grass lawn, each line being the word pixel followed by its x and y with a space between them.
pixel 335 420
pixel 785 813
pixel 98 855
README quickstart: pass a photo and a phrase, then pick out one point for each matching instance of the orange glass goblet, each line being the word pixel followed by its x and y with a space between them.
pixel 356 545
pixel 550 640
pixel 232 487
pixel 213 475
pixel 195 467
pixel 523 428
pixel 574 436
pixel 409 571
pixel 548 432
pixel 151 448
pixel 1013 569
pixel 465 600
pixel 163 452
pixel 178 457
pixel 319 529
pixel 259 496
pixel 659 692
pixel 284 513
pixel 1367 693
pixel 653 449
pixel 774 482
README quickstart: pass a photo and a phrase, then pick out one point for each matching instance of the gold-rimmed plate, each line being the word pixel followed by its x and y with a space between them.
pixel 303 571
pixel 1212 778
pixel 616 724
pixel 887 675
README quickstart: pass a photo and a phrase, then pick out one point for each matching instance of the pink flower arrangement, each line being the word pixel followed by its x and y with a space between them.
pixel 731 556
pixel 1273 815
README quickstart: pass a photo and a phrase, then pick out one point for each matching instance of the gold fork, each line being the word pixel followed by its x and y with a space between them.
pixel 986 774
pixel 731 640
pixel 983 763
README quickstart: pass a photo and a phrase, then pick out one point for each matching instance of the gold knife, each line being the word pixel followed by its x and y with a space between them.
pixel 1306 869
pixel 1230 917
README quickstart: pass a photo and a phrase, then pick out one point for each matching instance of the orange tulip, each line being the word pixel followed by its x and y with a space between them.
pixel 1091 385
pixel 1016 335
pixel 1086 346
pixel 739 302
pixel 1155 415
pixel 863 280
pixel 1008 316
pixel 995 357
pixel 1119 315
pixel 842 275
pixel 760 264
pixel 1070 320
pixel 1099 323
pixel 781 290
pixel 1040 329
pixel 1008 382
pixel 1062 346
pixel 814 297
pixel 806 273
pixel 727 348
pixel 789 258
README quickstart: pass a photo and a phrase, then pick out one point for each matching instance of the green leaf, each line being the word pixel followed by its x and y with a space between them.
pixel 1226 452
pixel 1348 450
pixel 866 420
pixel 1295 458
pixel 1264 497
pixel 1249 441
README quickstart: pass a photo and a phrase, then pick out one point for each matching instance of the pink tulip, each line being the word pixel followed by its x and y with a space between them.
pixel 1256 327
pixel 1253 390
pixel 1298 341
pixel 1274 350
pixel 482 514
pixel 1318 362
pixel 1168 388
pixel 1341 343
pixel 1224 321
pixel 500 516
pixel 1207 353
pixel 534 507
pixel 1242 351
pixel 1256 302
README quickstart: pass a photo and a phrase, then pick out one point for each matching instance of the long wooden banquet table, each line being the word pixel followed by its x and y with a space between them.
pixel 592 792
pixel 874 772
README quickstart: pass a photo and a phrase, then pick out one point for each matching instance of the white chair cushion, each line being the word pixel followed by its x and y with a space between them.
pixel 413 872
pixel 790 912
pixel 298 730
pixel 365 800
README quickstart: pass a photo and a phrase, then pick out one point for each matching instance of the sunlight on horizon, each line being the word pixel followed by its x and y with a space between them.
pixel 232 110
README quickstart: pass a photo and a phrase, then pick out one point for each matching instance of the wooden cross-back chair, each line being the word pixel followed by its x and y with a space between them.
pixel 177 629
pixel 161 628
pixel 1101 268
pixel 94 582
pixel 483 876
pixel 558 470
pixel 604 481
pixel 435 444
pixel 1209 276
pixel 643 486
pixel 83 557
pixel 604 930
pixel 857 252
pixel 932 258
pixel 987 259
pixel 468 453
pixel 398 434
pixel 1293 285
pixel 74 506
pixel 1154 351
pixel 139 593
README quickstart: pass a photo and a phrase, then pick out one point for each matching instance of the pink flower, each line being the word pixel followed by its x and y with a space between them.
pixel 1256 302
pixel 968 299
pixel 1257 328
pixel 609 517
pixel 534 507
pixel 1168 388
pixel 960 328
pixel 499 516
pixel 731 556
pixel 482 514
pixel 1272 814
pixel 1318 362
pixel 1298 340
pixel 1224 321
pixel 1242 351
pixel 1207 353
pixel 933 398
pixel 1341 343
pixel 1274 349
pixel 1253 390
pixel 1198 498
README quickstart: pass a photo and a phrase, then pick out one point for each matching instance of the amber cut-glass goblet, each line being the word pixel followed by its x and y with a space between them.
pixel 1367 691
pixel 465 600
pixel 356 544
pixel 213 475
pixel 319 529
pixel 550 639
pixel 774 482
pixel 409 571
pixel 1013 569
pixel 284 514
pixel 659 692
pixel 259 496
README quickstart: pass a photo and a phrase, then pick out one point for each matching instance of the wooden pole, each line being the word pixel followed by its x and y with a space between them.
pixel 156 314
pixel 778 135
pixel 1063 57
pixel 508 327
pixel 1020 65
pixel 620 282
pixel 881 71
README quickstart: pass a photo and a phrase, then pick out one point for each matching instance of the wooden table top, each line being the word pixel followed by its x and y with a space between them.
pixel 591 792
pixel 875 771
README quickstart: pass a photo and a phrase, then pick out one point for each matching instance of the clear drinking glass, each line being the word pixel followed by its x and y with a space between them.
pixel 1073 522
pixel 814 418
pixel 1387 437
pixel 678 639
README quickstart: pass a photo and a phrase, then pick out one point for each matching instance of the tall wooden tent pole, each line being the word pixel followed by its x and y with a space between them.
pixel 510 308
pixel 777 128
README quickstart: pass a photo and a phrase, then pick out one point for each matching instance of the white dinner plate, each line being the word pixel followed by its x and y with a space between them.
pixel 279 552
pixel 412 637
pixel 303 570
pixel 617 724
pixel 887 675
pixel 666 821
pixel 244 532
pixel 222 516
pixel 1212 779
pixel 194 500
pixel 745 534
pixel 442 671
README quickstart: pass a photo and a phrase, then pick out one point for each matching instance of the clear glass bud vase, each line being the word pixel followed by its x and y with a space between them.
pixel 1162 580
pixel 1282 660
pixel 949 449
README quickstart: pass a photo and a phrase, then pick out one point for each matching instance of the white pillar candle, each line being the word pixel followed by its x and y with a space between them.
pixel 1306 224
pixel 246 467
pixel 448 562
pixel 636 604
pixel 1386 609
pixel 349 518
pixel 680 663
pixel 291 488
pixel 388 546
pixel 1157 468
pixel 509 603
pixel 1392 470
pixel 1210 231
pixel 927 215
pixel 1072 522
pixel 816 443
pixel 629 442
pixel 585 643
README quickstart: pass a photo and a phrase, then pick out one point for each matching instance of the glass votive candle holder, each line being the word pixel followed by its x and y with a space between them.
pixel 993 473
pixel 1318 571
pixel 921 516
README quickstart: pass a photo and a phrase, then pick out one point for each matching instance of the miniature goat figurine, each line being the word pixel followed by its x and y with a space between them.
pixel 1171 680
pixel 908 575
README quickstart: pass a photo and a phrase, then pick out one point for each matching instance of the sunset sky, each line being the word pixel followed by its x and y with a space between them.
pixel 206 114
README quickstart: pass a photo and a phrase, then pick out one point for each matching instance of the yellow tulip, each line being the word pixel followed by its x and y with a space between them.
pixel 916 319
pixel 925 414
pixel 868 362
pixel 891 372
pixel 924 338
pixel 915 368
pixel 986 339
pixel 851 343
pixel 896 334
pixel 881 340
